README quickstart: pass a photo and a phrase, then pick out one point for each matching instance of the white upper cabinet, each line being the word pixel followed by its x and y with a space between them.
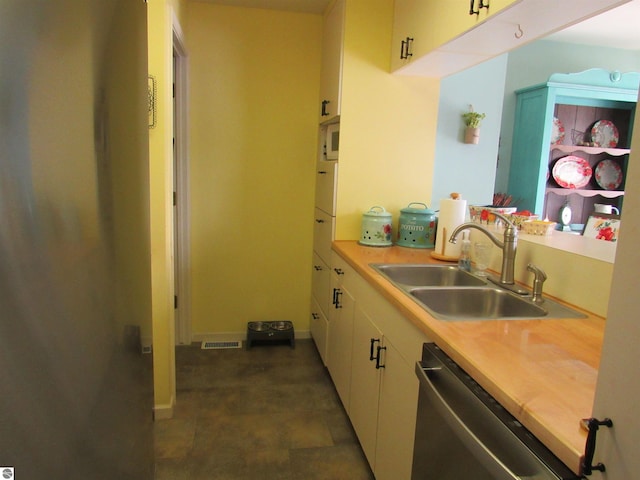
pixel 331 75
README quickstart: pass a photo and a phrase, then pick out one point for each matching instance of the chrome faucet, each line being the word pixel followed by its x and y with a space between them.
pixel 508 246
pixel 538 281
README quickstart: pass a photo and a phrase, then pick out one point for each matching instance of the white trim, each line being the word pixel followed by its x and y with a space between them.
pixel 181 127
pixel 164 411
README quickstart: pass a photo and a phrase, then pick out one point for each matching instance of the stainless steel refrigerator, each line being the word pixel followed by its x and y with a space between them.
pixel 75 390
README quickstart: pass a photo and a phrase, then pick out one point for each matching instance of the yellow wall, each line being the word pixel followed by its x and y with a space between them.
pixel 161 14
pixel 254 88
pixel 387 125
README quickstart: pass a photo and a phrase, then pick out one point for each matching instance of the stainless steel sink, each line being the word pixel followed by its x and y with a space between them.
pixel 425 275
pixel 475 303
pixel 486 303
pixel 450 294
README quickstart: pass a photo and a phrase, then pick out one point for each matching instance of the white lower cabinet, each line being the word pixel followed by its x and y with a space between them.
pixel 319 327
pixel 397 410
pixel 365 382
pixel 340 336
pixel 382 402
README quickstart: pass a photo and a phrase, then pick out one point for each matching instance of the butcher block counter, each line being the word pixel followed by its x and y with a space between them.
pixel 543 371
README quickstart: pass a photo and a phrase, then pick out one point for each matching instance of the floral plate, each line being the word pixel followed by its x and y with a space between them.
pixel 572 172
pixel 604 134
pixel 608 174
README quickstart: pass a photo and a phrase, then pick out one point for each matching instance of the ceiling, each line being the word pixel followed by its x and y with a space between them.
pixel 617 28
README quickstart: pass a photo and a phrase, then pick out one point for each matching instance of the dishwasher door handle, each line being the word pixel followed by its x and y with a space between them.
pixel 483 454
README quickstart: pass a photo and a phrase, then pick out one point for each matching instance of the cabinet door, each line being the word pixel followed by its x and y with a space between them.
pixel 323 234
pixel 326 171
pixel 318 326
pixel 527 175
pixel 396 417
pixel 339 343
pixel 365 383
pixel 410 21
pixel 331 73
pixel 321 283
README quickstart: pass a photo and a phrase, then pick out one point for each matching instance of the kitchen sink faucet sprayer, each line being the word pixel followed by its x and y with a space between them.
pixel 507 245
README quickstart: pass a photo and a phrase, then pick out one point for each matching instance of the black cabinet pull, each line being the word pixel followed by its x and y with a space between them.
pixel 404 48
pixel 318 268
pixel 373 341
pixel 315 316
pixel 592 425
pixel 379 349
pixel 324 112
pixel 319 220
pixel 321 172
pixel 338 271
pixel 336 297
pixel 481 4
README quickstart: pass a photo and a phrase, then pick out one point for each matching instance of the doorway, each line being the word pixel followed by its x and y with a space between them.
pixel 181 260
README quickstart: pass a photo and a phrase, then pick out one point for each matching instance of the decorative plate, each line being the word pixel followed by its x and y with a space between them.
pixel 557 132
pixel 572 172
pixel 604 134
pixel 608 174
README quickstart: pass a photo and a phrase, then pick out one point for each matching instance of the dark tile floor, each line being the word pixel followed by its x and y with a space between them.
pixel 270 412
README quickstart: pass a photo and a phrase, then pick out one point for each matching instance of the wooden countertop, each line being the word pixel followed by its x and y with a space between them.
pixel 543 371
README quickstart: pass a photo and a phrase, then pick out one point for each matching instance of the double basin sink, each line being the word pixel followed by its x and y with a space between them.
pixel 449 293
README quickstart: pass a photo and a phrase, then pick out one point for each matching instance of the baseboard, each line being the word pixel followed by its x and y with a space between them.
pixel 235 336
pixel 164 411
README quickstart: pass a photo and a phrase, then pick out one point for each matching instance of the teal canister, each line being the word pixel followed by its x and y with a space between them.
pixel 376 228
pixel 417 226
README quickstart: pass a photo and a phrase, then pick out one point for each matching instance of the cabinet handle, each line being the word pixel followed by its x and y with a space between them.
pixel 336 297
pixel 592 425
pixel 324 112
pixel 315 316
pixel 319 220
pixel 481 4
pixel 338 271
pixel 373 340
pixel 404 48
pixel 321 172
pixel 318 268
pixel 379 349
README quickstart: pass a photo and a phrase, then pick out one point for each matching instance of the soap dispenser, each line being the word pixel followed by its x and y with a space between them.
pixel 464 262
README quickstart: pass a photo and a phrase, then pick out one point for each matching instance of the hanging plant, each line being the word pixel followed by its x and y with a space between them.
pixel 472 121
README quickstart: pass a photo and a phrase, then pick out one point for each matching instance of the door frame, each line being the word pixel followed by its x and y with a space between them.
pixel 181 217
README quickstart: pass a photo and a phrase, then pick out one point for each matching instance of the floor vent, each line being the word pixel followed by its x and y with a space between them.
pixel 220 345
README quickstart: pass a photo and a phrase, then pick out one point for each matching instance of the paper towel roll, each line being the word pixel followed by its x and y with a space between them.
pixel 452 214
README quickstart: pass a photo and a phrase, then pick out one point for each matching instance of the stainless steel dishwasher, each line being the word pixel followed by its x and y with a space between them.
pixel 464 433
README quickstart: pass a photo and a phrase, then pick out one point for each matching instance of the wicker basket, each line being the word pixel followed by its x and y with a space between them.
pixel 539 227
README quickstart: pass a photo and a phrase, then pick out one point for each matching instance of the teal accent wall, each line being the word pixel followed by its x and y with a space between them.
pixel 459 167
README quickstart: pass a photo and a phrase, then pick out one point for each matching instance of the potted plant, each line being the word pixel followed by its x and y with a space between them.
pixel 472 122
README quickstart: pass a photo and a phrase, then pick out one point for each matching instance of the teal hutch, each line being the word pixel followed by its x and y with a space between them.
pixel 555 122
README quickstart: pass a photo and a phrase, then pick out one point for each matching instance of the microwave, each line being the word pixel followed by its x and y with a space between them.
pixel 332 141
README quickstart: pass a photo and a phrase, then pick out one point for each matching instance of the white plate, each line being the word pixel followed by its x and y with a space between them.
pixel 572 172
pixel 608 174
pixel 604 134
